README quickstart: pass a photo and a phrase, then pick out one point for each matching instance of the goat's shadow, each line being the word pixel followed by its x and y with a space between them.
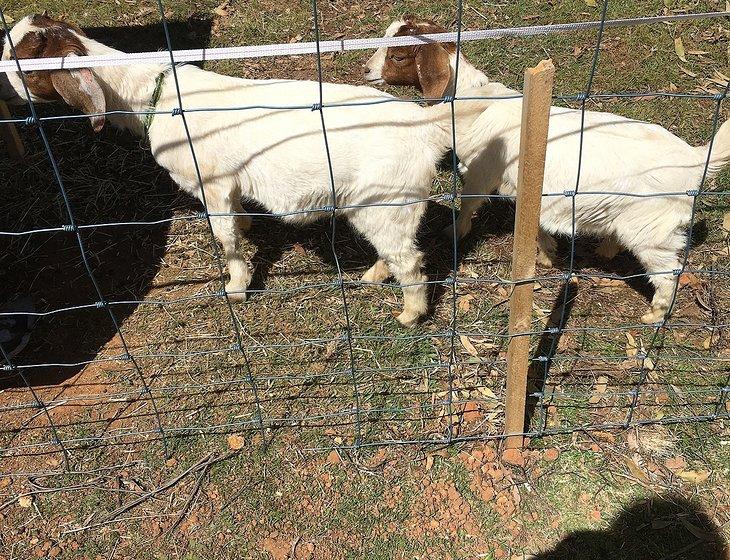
pixel 656 528
pixel 109 178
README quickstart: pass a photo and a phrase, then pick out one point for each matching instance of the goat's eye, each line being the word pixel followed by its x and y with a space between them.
pixel 398 58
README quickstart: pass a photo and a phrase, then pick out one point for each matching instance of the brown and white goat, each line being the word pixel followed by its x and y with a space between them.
pixel 384 155
pixel 636 178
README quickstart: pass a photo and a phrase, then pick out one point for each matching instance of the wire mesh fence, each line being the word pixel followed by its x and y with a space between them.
pixel 137 342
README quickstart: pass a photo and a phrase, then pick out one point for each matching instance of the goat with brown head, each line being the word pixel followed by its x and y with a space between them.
pixel 40 36
pixel 426 66
pixel 430 66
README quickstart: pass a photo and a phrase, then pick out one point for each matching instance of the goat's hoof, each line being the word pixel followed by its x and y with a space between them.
pixel 408 318
pixel 545 260
pixel 236 293
pixel 654 315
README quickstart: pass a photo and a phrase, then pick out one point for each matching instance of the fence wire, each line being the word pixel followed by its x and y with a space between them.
pixel 347 383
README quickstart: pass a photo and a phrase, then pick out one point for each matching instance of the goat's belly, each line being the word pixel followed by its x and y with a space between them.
pixel 292 203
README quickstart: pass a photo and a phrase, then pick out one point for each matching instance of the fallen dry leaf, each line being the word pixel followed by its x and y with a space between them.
pixel 468 346
pixel 591 3
pixel 223 10
pixel 635 469
pixel 25 501
pixel 235 442
pixel 696 477
pixel 631 349
pixel 599 388
pixel 689 279
pixel 679 49
pixel 333 458
pixel 472 412
pixel 464 302
pixel 726 221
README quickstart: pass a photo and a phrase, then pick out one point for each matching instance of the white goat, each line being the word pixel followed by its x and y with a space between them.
pixel 384 156
pixel 634 178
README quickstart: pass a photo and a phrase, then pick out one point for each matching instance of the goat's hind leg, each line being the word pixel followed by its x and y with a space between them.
pixel 227 229
pixel 660 262
pixel 392 231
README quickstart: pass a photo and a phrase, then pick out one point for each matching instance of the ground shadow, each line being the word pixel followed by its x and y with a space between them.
pixel 547 347
pixel 658 528
pixel 109 178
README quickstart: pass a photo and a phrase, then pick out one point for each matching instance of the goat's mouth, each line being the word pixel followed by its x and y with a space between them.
pixel 375 81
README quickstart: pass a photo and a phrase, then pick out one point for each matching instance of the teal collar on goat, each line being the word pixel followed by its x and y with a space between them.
pixel 150 115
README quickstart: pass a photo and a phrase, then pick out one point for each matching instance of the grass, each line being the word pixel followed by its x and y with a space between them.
pixel 374 502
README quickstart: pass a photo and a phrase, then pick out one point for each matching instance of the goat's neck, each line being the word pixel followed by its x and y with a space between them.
pixel 469 77
pixel 126 88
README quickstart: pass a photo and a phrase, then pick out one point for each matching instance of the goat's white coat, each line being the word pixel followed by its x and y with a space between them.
pixel 619 155
pixel 381 154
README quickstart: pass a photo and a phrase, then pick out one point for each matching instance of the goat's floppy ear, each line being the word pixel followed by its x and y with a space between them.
pixel 77 87
pixel 80 89
pixel 434 70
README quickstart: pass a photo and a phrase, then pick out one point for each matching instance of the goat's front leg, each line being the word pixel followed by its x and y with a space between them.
pixel 227 229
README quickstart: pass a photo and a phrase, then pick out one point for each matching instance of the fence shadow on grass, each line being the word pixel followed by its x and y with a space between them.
pixel 667 527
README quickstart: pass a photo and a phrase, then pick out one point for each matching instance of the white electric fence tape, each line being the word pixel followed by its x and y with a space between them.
pixel 282 49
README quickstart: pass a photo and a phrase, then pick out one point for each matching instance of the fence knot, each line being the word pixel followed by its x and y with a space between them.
pixel 220 293
pixel 201 215
pixel 328 208
pixel 568 194
pixel 127 357
pixel 553 330
pixel 718 96
pixel 30 121
pixel 450 280
pixel 69 228
pixel 237 347
pixel 581 96
pixel 448 197
pixel 316 106
pixel 677 271
pixel 541 359
pixel 449 98
pixel 176 112
pixel 8 367
pixel 693 192
pixel 100 304
pixel 641 356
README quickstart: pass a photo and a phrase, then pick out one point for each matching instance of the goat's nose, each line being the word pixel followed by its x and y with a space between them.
pixel 366 70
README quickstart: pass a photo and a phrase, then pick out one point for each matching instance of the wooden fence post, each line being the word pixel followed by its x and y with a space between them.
pixel 9 134
pixel 533 143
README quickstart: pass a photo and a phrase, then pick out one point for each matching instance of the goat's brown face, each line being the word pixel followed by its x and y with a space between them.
pixel 39 36
pixel 426 67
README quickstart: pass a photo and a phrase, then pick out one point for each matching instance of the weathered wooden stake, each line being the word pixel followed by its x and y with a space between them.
pixel 9 134
pixel 533 144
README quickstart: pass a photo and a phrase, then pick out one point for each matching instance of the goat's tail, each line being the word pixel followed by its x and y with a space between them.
pixel 720 155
